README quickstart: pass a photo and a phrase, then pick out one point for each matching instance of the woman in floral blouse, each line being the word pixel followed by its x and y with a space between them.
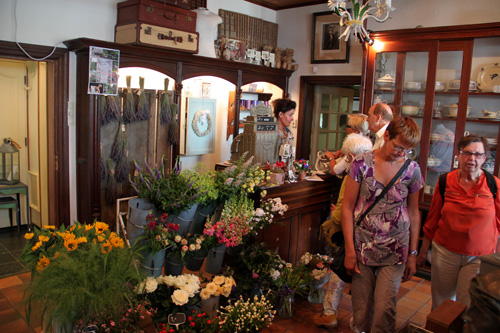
pixel 381 250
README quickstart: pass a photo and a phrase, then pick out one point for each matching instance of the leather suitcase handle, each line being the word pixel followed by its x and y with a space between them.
pixel 172 18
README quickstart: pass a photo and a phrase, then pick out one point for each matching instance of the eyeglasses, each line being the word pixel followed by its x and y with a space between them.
pixel 468 154
pixel 401 149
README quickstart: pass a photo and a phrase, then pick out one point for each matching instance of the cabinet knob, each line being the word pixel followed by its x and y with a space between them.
pixel 277 239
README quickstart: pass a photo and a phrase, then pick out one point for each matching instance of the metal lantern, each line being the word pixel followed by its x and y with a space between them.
pixel 9 163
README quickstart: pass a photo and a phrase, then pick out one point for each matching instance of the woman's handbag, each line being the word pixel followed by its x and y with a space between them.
pixel 337 265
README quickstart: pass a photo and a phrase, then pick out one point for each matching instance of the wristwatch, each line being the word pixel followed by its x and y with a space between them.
pixel 414 252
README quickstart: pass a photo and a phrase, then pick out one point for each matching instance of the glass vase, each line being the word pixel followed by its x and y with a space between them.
pixel 315 294
pixel 285 306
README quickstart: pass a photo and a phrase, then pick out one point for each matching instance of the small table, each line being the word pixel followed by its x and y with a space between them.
pixel 18 189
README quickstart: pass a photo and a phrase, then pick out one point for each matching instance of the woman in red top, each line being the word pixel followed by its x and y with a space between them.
pixel 463 227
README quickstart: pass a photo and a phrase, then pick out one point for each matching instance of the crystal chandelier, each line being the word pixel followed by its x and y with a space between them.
pixel 353 21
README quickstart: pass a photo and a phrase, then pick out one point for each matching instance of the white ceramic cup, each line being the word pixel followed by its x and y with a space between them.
pixel 496 89
pixel 427 189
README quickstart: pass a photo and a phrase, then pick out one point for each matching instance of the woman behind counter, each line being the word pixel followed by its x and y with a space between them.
pixel 284 110
pixel 463 227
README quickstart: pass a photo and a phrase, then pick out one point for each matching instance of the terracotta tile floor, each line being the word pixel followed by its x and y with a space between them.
pixel 414 304
pixel 414 299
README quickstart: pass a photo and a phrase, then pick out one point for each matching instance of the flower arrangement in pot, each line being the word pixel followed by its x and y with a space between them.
pixel 287 282
pixel 168 190
pixel 277 175
pixel 266 214
pixel 302 167
pixel 78 274
pixel 318 266
pixel 247 315
pixel 184 249
pixel 170 294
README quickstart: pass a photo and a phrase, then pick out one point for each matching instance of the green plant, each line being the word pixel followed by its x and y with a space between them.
pixel 195 322
pixel 205 181
pixel 79 285
pixel 246 315
pixel 185 247
pixel 169 191
pixel 288 280
pixel 158 234
pixel 302 165
pixel 266 214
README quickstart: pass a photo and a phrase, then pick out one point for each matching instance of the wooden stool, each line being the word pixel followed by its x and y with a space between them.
pixel 11 203
pixel 446 317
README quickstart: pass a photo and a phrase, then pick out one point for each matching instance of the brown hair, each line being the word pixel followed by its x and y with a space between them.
pixel 406 129
pixel 467 140
pixel 383 110
pixel 283 105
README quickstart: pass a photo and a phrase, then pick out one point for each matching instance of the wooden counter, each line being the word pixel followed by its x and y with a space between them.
pixel 297 232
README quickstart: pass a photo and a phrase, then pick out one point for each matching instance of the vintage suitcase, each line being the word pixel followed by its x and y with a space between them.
pixel 147 34
pixel 156 13
pixel 178 3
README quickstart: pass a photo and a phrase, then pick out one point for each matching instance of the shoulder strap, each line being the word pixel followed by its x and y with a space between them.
pixel 442 184
pixel 385 190
pixel 490 180
pixel 492 184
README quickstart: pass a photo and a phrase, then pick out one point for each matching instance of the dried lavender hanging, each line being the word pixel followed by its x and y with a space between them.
pixel 128 105
pixel 111 192
pixel 143 104
pixel 104 169
pixel 173 128
pixel 165 108
pixel 114 109
pixel 119 145
pixel 103 111
pixel 122 171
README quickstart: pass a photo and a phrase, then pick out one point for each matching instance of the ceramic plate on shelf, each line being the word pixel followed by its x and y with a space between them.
pixel 488 76
pixel 489 118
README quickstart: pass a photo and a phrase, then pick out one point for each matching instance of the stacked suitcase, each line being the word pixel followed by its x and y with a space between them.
pixel 162 23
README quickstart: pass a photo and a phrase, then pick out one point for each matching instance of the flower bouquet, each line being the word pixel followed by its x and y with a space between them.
pixel 302 167
pixel 318 266
pixel 170 294
pixel 266 213
pixel 158 234
pixel 277 175
pixel 196 321
pixel 210 294
pixel 79 274
pixel 186 248
pixel 248 315
pixel 288 281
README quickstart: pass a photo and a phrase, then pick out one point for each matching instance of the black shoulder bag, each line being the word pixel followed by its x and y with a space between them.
pixel 337 265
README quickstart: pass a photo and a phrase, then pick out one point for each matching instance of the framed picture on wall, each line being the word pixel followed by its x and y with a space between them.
pixel 326 47
pixel 206 89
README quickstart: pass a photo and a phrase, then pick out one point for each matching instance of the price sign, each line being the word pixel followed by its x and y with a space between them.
pixel 266 128
pixel 265 119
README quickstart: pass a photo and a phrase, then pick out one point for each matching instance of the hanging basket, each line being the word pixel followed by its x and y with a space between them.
pixel 138 210
pixel 215 258
pixel 152 265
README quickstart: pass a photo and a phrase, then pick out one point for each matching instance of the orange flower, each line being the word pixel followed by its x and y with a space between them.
pixel 106 247
pixel 50 227
pixel 29 235
pixel 42 263
pixel 71 244
pixel 100 227
pixel 43 238
pixel 36 246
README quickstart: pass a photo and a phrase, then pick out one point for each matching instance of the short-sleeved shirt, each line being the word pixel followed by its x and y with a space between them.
pixel 382 238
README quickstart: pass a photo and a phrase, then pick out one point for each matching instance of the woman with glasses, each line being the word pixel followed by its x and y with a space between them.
pixel 380 249
pixel 463 226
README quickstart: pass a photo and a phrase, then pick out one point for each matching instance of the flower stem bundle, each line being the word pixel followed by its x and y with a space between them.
pixel 119 147
pixel 111 193
pixel 128 105
pixel 143 104
pixel 173 128
pixel 165 107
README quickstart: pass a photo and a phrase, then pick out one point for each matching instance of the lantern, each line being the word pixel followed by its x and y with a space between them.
pixel 9 163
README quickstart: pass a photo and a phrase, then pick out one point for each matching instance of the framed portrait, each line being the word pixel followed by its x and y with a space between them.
pixel 326 47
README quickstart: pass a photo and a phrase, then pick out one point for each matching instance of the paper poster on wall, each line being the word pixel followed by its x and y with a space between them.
pixel 103 71
pixel 200 129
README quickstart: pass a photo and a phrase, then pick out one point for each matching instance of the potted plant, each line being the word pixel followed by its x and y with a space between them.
pixel 302 167
pixel 277 175
pixel 210 294
pixel 184 249
pixel 287 282
pixel 170 294
pixel 318 266
pixel 169 191
pixel 252 314
pixel 79 273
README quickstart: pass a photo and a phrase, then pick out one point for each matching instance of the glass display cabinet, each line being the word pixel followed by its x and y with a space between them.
pixel 448 80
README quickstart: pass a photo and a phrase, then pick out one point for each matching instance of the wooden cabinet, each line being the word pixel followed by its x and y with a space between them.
pixel 246 101
pixel 443 78
pixel 176 65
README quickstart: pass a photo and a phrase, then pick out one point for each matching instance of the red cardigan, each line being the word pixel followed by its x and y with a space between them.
pixel 469 222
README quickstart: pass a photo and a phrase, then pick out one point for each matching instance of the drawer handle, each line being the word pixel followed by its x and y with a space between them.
pixel 277 239
pixel 172 18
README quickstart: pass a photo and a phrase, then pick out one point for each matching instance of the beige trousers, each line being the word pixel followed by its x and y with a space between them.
pixel 374 297
pixel 451 275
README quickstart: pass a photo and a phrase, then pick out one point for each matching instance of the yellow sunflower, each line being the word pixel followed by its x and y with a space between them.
pixel 42 263
pixel 116 241
pixel 71 244
pixel 50 227
pixel 100 227
pixel 80 240
pixel 43 238
pixel 106 247
pixel 36 246
pixel 29 235
pixel 88 227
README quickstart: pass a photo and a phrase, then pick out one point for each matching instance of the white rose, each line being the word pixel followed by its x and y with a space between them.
pixel 259 212
pixel 180 297
pixel 169 280
pixel 274 274
pixel 226 290
pixel 190 289
pixel 151 284
pixel 180 281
